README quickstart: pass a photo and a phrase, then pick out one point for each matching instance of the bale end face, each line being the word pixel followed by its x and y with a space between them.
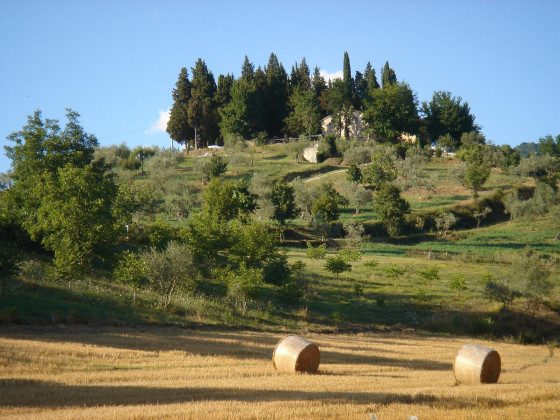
pixel 477 364
pixel 296 354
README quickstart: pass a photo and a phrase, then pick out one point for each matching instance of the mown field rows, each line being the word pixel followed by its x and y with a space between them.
pixel 142 373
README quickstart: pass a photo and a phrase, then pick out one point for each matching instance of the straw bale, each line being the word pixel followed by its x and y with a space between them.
pixel 296 354
pixel 477 364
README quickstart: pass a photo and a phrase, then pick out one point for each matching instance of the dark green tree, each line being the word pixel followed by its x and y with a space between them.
pixel 300 76
pixel 381 170
pixel 244 114
pixel 131 270
pixel 223 90
pixel 388 76
pixel 550 146
pixel 353 173
pixel 347 79
pixel 283 199
pixel 178 126
pixel 252 244
pixel 392 111
pixel 61 196
pixel 247 70
pixel 201 111
pixel 226 200
pixel 446 115
pixel 305 115
pixel 320 88
pixel 326 208
pixel 276 96
pixel 371 78
pixel 390 208
pixel 337 264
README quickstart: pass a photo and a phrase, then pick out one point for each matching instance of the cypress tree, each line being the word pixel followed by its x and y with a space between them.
pixel 247 70
pixel 347 78
pixel 388 76
pixel 371 78
pixel 202 113
pixel 276 96
pixel 178 125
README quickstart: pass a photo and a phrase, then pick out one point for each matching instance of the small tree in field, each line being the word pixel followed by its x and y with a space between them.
pixel 170 269
pixel 243 285
pixel 444 221
pixel 390 208
pixel 429 275
pixel 394 272
pixel 316 253
pixel 131 270
pixel 481 214
pixel 337 264
pixel 458 282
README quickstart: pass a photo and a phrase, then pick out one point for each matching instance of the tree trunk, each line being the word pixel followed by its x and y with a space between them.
pixel 195 137
pixel 134 297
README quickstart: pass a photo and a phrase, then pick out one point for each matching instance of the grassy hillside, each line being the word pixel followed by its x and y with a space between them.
pixel 364 299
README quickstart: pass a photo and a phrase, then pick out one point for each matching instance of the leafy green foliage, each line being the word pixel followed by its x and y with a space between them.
pixel 390 208
pixel 392 111
pixel 393 271
pixel 447 116
pixel 252 244
pixel 381 171
pixel 211 167
pixel 444 221
pixel 388 76
pixel 550 146
pixel 337 264
pixel 226 200
pixel 316 253
pixel 9 262
pixel 178 126
pixel 305 115
pixel 326 208
pixel 496 289
pixel 170 269
pixel 131 270
pixel 243 285
pixel 283 200
pixel 429 275
pixel 458 282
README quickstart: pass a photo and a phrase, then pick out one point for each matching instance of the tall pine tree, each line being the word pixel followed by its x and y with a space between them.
pixel 388 76
pixel 276 96
pixel 178 125
pixel 202 113
pixel 347 78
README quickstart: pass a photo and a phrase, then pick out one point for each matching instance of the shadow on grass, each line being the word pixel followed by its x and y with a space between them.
pixel 334 357
pixel 276 157
pixel 29 393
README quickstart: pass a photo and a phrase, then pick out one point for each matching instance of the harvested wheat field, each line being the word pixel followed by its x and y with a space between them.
pixel 141 373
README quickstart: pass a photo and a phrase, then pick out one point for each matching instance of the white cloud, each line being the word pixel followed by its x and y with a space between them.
pixel 161 124
pixel 331 76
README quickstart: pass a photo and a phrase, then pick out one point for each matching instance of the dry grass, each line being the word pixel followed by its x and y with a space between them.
pixel 171 373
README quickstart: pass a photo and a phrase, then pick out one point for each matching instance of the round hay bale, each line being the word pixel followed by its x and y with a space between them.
pixel 296 354
pixel 477 364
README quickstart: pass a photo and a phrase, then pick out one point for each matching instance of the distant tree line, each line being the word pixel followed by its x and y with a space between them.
pixel 269 102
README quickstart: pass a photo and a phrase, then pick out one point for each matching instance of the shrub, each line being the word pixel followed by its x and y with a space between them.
pixel 316 253
pixel 337 264
pixel 458 282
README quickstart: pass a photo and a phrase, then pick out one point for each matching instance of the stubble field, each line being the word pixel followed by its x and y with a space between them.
pixel 141 373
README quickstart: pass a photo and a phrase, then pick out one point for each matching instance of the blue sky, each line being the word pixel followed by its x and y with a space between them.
pixel 116 62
